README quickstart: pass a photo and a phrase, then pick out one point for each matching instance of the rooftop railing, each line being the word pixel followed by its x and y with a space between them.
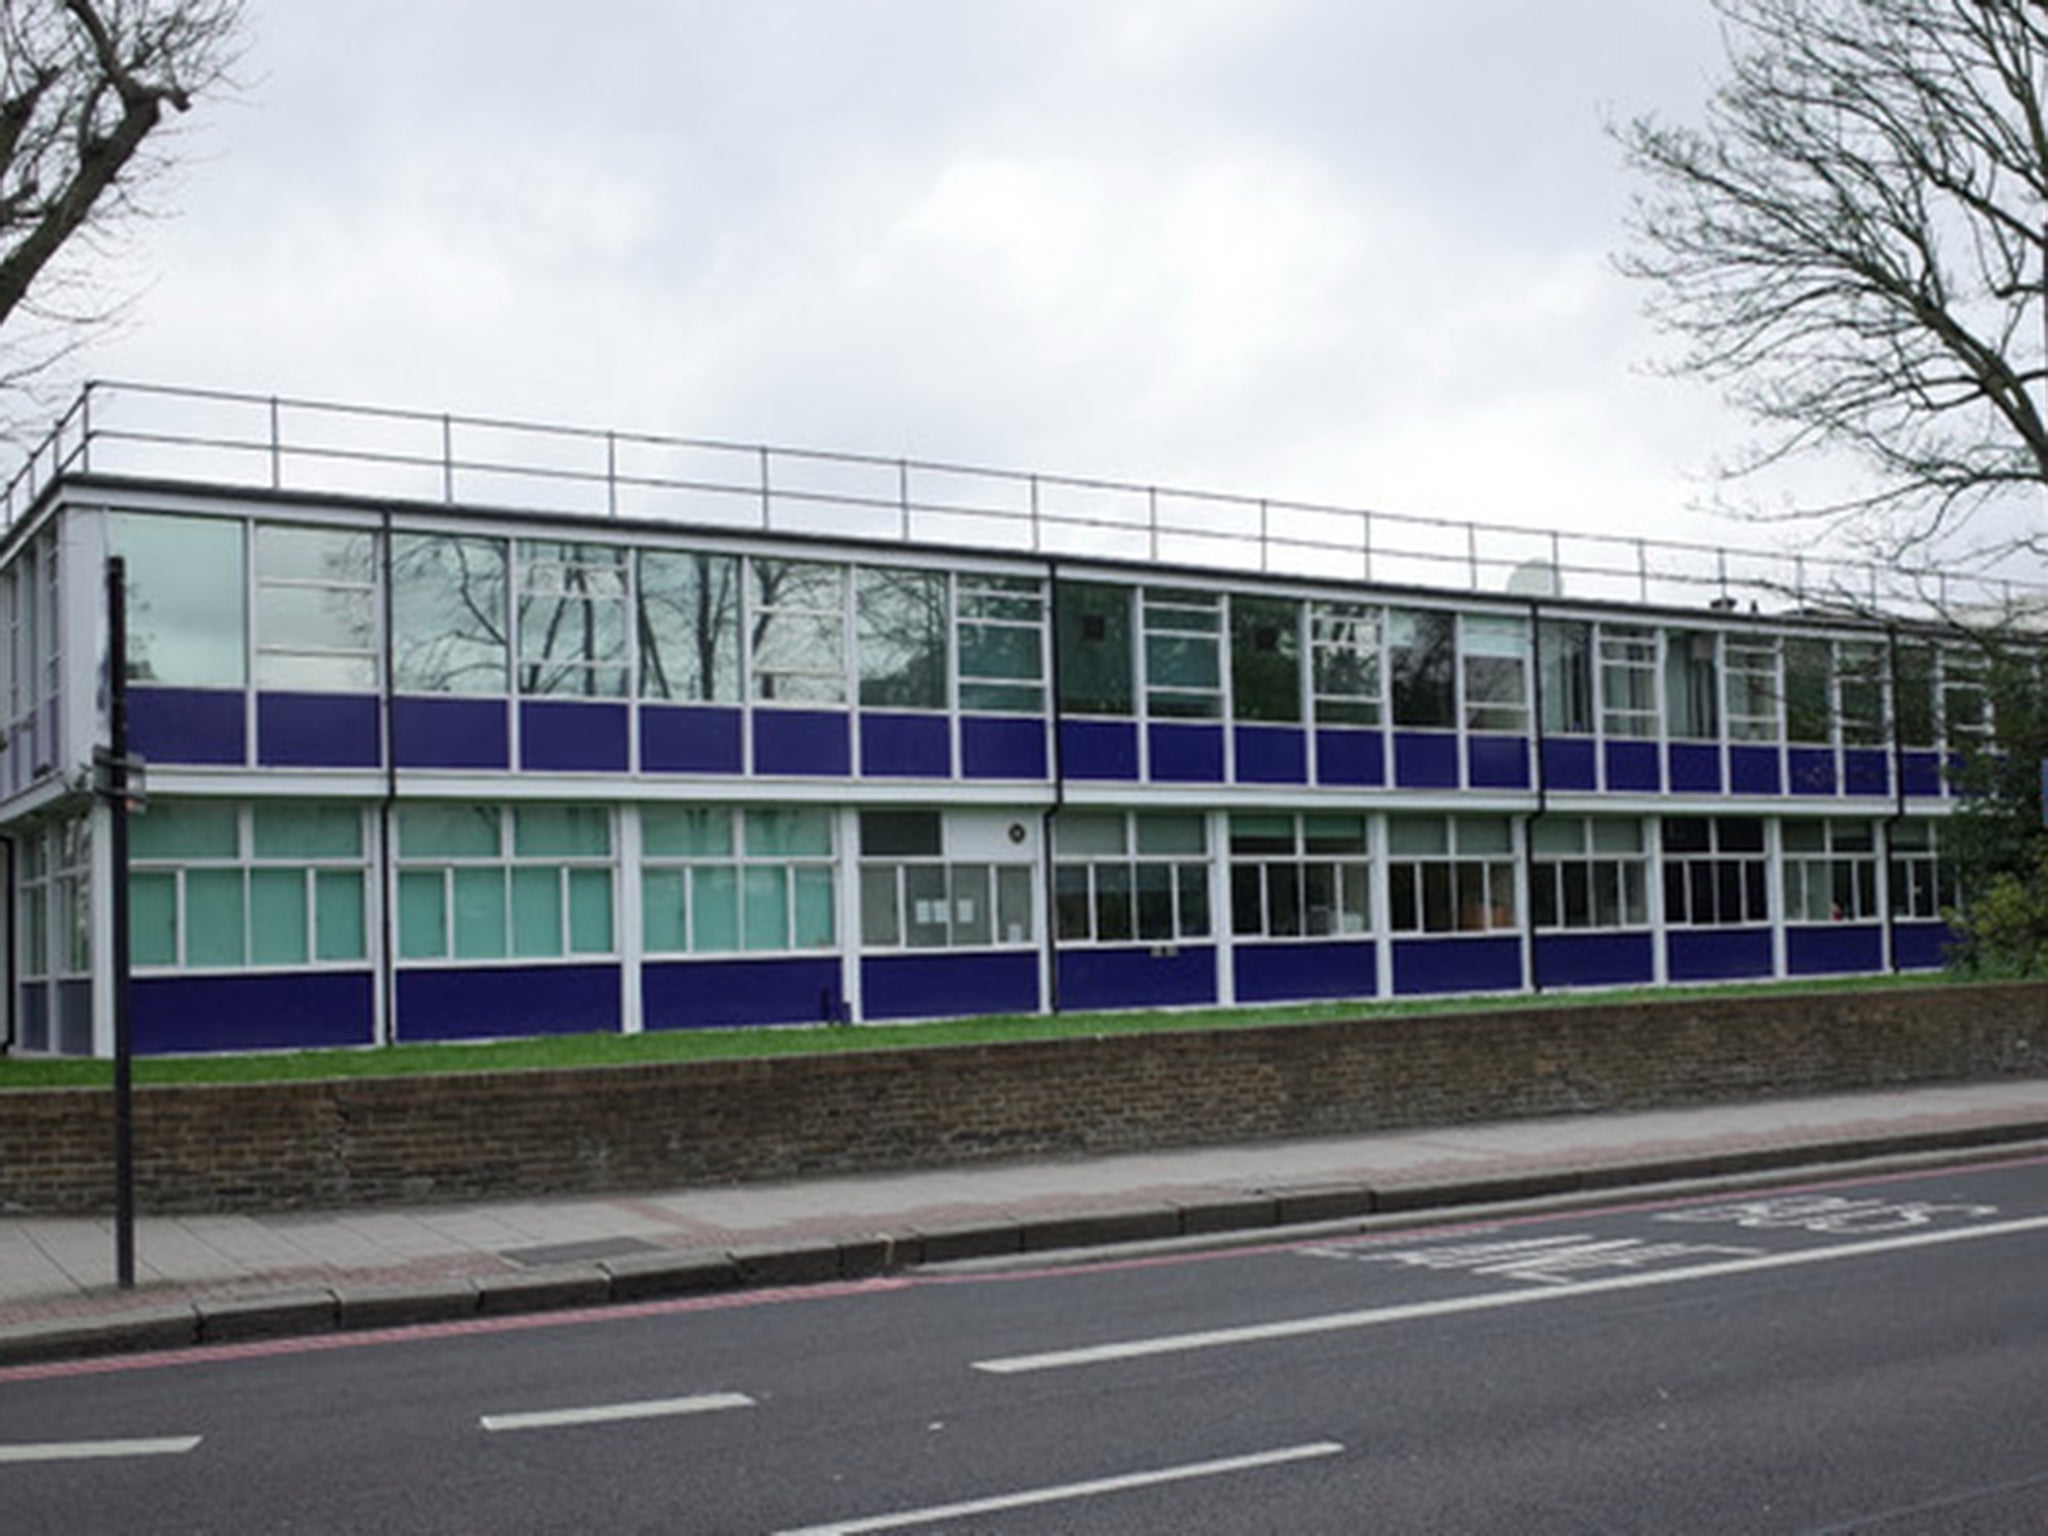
pixel 213 438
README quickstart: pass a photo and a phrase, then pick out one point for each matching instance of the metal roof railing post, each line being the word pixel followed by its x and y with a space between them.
pixel 1472 554
pixel 903 498
pixel 1265 537
pixel 1642 571
pixel 767 512
pixel 1152 518
pixel 447 458
pixel 276 447
pixel 611 474
pixel 1037 528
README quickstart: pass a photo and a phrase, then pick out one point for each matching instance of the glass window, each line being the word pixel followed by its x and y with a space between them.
pixel 1915 696
pixel 1290 877
pixel 1265 659
pixel 1628 680
pixel 1183 666
pixel 1565 662
pixel 222 886
pixel 1808 668
pixel 1159 893
pixel 1094 628
pixel 798 631
pixel 572 619
pixel 1421 652
pixel 448 615
pixel 902 622
pixel 689 626
pixel 1346 641
pixel 1965 697
pixel 1922 884
pixel 1450 874
pixel 1714 871
pixel 1496 660
pixel 316 609
pixel 1692 691
pixel 1830 871
pixel 720 880
pixel 186 599
pixel 1001 634
pixel 1752 670
pixel 1588 873
pixel 490 882
pixel 1861 667
pixel 913 896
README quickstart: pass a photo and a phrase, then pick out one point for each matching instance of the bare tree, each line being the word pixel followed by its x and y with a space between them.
pixel 85 87
pixel 1854 245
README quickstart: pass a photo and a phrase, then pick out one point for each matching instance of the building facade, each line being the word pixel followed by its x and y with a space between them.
pixel 458 730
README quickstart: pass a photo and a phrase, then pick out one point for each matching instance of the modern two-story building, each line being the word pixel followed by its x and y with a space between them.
pixel 460 729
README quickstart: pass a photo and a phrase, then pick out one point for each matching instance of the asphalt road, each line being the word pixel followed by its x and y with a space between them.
pixel 1869 1357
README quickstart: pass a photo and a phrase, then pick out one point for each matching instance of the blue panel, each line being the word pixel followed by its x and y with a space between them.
pixel 1271 754
pixel 35 1016
pixel 1717 954
pixel 1457 965
pixel 1694 767
pixel 1425 760
pixel 1921 773
pixel 906 746
pixel 1350 757
pixel 1135 978
pixel 187 725
pixel 1186 754
pixel 1866 771
pixel 569 736
pixel 302 1010
pixel 1921 946
pixel 1811 770
pixel 1497 762
pixel 1834 949
pixel 948 986
pixel 1632 767
pixel 318 730
pixel 1002 747
pixel 690 738
pixel 698 994
pixel 451 733
pixel 810 742
pixel 1594 959
pixel 1099 749
pixel 487 1002
pixel 1269 973
pixel 1569 762
pixel 1754 771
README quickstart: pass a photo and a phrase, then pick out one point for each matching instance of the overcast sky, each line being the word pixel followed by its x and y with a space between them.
pixel 1350 251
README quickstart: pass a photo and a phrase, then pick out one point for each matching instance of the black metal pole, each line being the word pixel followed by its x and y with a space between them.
pixel 116 785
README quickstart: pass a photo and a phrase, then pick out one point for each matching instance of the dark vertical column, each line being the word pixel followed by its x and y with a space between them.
pixel 115 786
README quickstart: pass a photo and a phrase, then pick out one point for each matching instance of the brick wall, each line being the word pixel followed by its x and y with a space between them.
pixel 373 1141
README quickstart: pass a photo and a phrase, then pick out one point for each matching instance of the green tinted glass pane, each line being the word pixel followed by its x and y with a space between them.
pixel 479 914
pixel 789 833
pixel 186 597
pixel 662 929
pixel 277 917
pixel 1172 834
pixel 1484 834
pixel 448 621
pixel 536 911
pixel 213 917
pixel 1613 836
pixel 339 928
pixel 447 831
pixel 814 926
pixel 714 909
pixel 767 909
pixel 422 914
pixel 1262 833
pixel 153 919
pixel 561 831
pixel 1334 834
pixel 191 830
pixel 308 832
pixel 686 832
pixel 1094 649
pixel 590 911
pixel 992 651
pixel 1002 698
pixel 1554 835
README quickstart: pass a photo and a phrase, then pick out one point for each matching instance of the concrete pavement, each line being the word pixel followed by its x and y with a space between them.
pixel 217 1279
